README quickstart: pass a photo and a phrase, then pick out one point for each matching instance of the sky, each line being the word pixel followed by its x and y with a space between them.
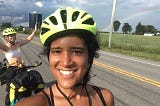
pixel 127 11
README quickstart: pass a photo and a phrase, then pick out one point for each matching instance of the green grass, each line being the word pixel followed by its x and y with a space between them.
pixel 147 47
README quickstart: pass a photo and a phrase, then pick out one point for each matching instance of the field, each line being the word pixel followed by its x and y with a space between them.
pixel 147 47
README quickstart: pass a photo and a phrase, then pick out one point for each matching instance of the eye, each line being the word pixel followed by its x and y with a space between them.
pixel 77 52
pixel 55 51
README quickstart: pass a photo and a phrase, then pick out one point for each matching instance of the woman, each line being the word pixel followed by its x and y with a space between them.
pixel 12 52
pixel 11 48
pixel 69 36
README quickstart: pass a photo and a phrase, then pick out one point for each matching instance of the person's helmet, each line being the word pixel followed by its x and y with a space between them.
pixel 66 20
pixel 8 31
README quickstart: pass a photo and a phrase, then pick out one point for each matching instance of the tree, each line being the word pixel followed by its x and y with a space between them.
pixel 140 29
pixel 150 29
pixel 126 28
pixel 6 25
pixel 19 28
pixel 116 25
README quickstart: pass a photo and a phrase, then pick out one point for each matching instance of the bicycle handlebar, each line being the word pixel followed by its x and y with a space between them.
pixel 23 67
pixel 30 66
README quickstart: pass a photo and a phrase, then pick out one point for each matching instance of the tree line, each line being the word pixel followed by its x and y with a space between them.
pixel 126 28
pixel 20 29
pixel 140 28
pixel 9 24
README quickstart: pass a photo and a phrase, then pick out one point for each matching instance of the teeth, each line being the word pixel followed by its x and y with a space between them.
pixel 66 72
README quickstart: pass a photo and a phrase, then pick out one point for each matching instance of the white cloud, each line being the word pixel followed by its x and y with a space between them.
pixel 126 10
pixel 34 12
pixel 39 4
pixel 10 18
pixel 24 24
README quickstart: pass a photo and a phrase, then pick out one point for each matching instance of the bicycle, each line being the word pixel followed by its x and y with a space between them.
pixel 21 82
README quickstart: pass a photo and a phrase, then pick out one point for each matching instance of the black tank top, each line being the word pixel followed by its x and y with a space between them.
pixel 51 99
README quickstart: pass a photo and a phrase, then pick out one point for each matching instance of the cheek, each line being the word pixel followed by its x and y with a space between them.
pixel 52 64
pixel 53 60
pixel 6 38
pixel 83 63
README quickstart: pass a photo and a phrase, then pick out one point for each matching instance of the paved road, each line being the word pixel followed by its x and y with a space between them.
pixel 134 82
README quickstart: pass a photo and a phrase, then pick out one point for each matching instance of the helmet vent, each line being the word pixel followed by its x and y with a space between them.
pixel 53 20
pixel 45 22
pixel 64 16
pixel 44 30
pixel 88 21
pixel 84 15
pixel 75 15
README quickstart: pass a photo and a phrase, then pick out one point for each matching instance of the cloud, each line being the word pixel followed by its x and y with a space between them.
pixel 12 19
pixel 79 1
pixel 126 10
pixel 24 24
pixel 1 1
pixel 39 4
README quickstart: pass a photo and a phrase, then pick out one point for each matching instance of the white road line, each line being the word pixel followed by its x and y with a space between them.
pixel 157 65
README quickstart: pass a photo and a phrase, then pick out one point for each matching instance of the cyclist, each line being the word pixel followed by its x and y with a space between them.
pixel 69 37
pixel 12 48
pixel 12 52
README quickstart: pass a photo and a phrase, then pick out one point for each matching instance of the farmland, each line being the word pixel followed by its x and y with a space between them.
pixel 147 47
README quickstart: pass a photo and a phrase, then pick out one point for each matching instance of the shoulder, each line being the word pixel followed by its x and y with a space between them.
pixel 108 96
pixel 35 100
pixel 104 94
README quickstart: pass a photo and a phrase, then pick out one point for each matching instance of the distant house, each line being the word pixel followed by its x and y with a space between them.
pixel 149 34
pixel 158 33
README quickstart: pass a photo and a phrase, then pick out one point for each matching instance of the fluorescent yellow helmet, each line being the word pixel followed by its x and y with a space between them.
pixel 64 20
pixel 8 31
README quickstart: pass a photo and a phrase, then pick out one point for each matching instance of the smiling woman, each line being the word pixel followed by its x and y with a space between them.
pixel 69 37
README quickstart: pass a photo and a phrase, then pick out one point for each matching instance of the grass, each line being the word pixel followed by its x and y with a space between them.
pixel 147 47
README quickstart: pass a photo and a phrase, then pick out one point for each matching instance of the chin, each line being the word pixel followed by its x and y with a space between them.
pixel 68 84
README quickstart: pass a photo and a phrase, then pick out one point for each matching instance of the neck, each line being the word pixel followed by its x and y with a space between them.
pixel 10 45
pixel 73 92
pixel 77 94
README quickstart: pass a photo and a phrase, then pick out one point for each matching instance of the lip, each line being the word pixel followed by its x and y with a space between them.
pixel 67 73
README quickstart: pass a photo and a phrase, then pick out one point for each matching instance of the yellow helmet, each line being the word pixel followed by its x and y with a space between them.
pixel 8 31
pixel 64 20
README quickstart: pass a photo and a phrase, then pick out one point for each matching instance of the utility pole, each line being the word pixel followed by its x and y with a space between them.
pixel 11 18
pixel 112 20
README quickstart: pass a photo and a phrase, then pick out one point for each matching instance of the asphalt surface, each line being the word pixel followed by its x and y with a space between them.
pixel 109 71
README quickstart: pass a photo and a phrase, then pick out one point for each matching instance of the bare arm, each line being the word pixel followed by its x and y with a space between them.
pixel 108 96
pixel 3 47
pixel 35 100
pixel 30 37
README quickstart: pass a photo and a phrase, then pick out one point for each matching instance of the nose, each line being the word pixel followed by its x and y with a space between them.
pixel 67 59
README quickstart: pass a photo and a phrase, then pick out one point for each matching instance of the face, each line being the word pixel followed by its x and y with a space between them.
pixel 10 38
pixel 68 60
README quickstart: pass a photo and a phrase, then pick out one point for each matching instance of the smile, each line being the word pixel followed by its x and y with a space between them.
pixel 66 72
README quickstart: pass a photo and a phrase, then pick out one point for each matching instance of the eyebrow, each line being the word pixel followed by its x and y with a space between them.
pixel 71 48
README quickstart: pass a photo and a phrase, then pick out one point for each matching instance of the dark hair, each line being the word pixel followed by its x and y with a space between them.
pixel 89 39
